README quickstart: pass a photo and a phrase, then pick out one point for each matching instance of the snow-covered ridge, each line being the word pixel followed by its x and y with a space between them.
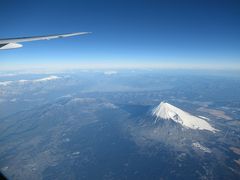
pixel 23 81
pixel 169 112
pixel 49 78
pixel 5 83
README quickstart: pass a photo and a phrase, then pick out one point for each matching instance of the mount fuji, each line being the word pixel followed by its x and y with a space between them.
pixel 169 112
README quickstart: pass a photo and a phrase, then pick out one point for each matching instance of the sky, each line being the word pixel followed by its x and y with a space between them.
pixel 125 33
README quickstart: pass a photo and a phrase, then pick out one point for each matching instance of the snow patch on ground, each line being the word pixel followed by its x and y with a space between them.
pixel 110 105
pixel 110 72
pixel 201 147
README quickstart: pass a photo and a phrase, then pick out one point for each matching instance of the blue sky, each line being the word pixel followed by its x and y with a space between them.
pixel 139 32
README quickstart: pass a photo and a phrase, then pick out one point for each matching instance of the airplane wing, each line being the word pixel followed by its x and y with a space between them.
pixel 13 43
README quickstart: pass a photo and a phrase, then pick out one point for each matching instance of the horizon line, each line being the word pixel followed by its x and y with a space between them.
pixel 80 66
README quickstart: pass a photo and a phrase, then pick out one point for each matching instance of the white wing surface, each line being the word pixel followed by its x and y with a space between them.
pixel 13 43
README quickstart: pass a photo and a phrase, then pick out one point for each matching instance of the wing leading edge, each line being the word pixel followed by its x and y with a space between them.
pixel 13 43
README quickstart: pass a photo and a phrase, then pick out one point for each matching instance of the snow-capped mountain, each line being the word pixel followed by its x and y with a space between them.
pixel 169 112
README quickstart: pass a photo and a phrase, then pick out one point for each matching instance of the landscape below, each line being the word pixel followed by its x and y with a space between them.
pixel 124 124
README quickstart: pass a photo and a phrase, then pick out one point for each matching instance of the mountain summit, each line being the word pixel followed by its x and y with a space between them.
pixel 169 112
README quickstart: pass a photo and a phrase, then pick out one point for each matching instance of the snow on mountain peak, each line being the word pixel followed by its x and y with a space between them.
pixel 169 112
